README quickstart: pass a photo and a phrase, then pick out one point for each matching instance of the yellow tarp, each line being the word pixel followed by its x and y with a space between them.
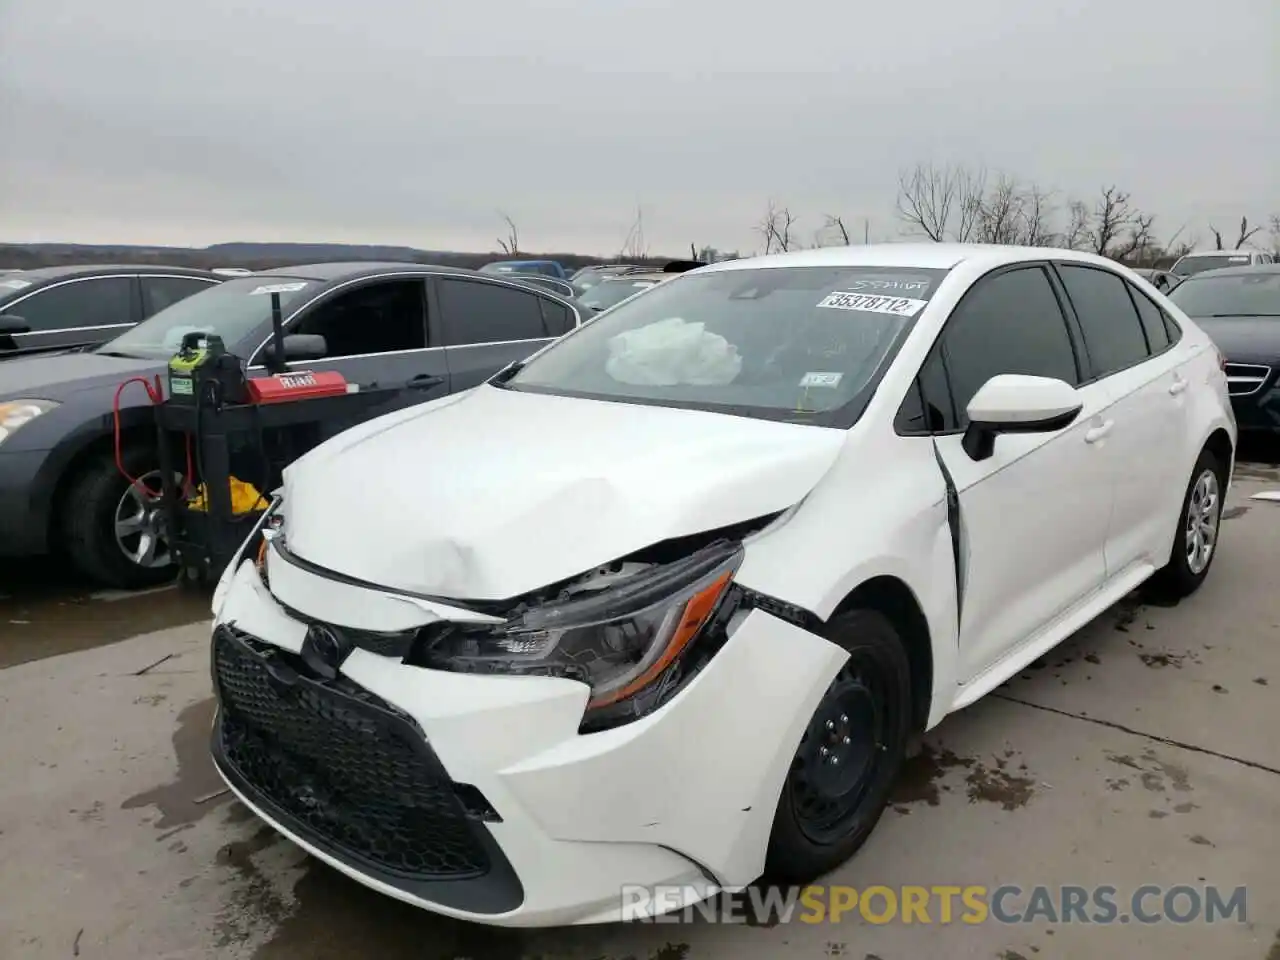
pixel 245 498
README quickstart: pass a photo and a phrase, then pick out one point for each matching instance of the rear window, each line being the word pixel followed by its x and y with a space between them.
pixel 1198 264
pixel 1242 295
pixel 610 292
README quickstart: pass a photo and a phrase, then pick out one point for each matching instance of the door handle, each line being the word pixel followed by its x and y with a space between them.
pixel 1097 433
pixel 1177 386
pixel 425 381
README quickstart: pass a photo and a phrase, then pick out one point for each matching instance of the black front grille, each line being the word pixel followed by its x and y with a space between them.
pixel 345 767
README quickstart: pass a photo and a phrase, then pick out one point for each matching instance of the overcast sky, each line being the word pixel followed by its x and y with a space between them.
pixel 199 121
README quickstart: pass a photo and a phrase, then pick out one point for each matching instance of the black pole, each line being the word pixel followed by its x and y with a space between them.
pixel 277 333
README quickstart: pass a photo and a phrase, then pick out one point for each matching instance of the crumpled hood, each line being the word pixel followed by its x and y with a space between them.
pixel 493 493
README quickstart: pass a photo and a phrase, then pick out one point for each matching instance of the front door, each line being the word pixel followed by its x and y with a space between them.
pixel 1033 516
pixel 376 336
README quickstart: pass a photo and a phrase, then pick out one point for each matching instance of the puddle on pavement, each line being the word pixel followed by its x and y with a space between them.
pixel 196 780
pixel 44 611
pixel 1002 782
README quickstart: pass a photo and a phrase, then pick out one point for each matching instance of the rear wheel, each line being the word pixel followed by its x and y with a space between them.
pixel 1196 542
pixel 114 531
pixel 849 757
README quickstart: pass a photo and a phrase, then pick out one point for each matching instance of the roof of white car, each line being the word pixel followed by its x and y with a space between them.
pixel 1242 252
pixel 926 256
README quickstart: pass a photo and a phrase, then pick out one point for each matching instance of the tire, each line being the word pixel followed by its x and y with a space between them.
pixel 824 814
pixel 88 531
pixel 1183 576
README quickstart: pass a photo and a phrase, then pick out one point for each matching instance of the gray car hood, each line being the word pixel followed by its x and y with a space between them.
pixel 55 376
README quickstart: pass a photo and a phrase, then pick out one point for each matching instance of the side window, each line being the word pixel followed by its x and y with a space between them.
pixel 1171 326
pixel 556 317
pixel 1112 331
pixel 84 303
pixel 478 312
pixel 161 292
pixel 1009 323
pixel 1152 320
pixel 928 407
pixel 380 318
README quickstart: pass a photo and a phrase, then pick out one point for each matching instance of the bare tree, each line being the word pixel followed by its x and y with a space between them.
pixel 1037 218
pixel 1000 213
pixel 634 246
pixel 1113 228
pixel 1246 234
pixel 1079 223
pixel 1176 248
pixel 1275 232
pixel 776 228
pixel 836 224
pixel 511 245
pixel 1110 217
pixel 941 202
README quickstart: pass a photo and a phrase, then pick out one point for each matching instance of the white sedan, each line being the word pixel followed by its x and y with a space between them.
pixel 669 602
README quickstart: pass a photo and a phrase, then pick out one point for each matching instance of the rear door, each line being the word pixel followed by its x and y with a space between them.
pixel 1130 354
pixel 488 324
pixel 376 335
pixel 72 313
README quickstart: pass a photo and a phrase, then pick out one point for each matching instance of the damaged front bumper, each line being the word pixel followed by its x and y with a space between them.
pixel 477 796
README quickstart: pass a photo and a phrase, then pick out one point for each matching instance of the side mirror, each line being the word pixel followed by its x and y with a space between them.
pixel 9 324
pixel 1013 403
pixel 300 346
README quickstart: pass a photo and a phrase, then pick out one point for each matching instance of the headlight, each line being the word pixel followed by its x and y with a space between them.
pixel 622 641
pixel 15 414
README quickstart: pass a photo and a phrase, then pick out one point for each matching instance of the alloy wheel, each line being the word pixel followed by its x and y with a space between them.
pixel 1203 511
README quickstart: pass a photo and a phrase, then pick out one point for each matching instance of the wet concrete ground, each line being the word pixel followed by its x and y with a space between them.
pixel 1144 750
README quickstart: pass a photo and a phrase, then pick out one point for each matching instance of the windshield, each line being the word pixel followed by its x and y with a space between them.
pixel 802 344
pixel 1243 295
pixel 1190 265
pixel 11 285
pixel 232 310
pixel 606 294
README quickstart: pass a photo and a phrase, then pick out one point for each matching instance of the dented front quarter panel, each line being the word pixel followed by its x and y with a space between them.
pixel 863 521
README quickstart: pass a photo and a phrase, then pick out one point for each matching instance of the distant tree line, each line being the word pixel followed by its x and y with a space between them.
pixel 951 202
pixel 965 204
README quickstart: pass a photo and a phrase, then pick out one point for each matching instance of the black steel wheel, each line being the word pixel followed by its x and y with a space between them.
pixel 849 756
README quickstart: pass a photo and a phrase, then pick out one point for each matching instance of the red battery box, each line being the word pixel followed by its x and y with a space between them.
pixel 300 385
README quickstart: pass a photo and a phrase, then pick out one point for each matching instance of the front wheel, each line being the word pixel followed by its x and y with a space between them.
pixel 849 757
pixel 1199 522
pixel 114 532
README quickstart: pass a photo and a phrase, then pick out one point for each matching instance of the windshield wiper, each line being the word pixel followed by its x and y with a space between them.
pixel 506 373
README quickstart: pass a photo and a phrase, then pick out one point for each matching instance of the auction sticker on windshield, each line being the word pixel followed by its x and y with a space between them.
pixel 277 288
pixel 883 285
pixel 872 303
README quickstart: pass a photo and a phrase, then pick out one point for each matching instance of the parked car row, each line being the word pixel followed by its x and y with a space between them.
pixel 667 602
pixel 435 330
